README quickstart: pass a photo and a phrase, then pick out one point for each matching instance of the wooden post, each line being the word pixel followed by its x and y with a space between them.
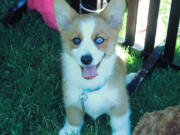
pixel 151 26
pixel 131 22
pixel 172 31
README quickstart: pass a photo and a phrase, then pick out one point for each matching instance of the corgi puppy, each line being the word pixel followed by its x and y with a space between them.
pixel 93 75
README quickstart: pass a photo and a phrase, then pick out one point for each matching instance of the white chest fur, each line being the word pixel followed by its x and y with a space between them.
pixel 98 102
pixel 101 101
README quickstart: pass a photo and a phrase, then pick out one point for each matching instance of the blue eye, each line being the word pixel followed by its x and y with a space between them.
pixel 76 41
pixel 99 40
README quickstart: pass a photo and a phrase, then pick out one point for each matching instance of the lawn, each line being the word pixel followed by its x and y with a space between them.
pixel 30 76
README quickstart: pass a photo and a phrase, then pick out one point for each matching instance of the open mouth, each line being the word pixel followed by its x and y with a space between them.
pixel 90 72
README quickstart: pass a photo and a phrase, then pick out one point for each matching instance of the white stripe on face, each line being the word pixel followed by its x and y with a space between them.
pixel 87 46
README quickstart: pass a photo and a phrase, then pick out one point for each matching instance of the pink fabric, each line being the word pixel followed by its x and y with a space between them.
pixel 45 8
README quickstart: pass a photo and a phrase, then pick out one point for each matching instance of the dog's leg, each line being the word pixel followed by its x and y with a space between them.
pixel 120 124
pixel 74 122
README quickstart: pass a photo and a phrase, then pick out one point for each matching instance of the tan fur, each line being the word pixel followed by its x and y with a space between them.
pixel 75 116
pixel 102 29
pixel 108 13
pixel 107 25
pixel 61 9
pixel 108 33
pixel 164 122
pixel 118 81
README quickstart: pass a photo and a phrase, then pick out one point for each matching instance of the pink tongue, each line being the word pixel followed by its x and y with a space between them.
pixel 89 72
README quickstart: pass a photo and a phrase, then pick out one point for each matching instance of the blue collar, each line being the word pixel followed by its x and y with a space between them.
pixel 97 88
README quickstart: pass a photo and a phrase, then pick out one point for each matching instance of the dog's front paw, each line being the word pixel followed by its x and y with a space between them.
pixel 70 130
pixel 121 133
pixel 64 131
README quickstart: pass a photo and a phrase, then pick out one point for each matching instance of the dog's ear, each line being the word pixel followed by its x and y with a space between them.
pixel 114 12
pixel 64 14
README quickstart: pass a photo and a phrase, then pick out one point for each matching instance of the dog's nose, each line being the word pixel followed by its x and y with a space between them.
pixel 86 59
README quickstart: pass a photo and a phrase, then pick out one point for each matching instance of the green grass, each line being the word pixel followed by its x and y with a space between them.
pixel 30 82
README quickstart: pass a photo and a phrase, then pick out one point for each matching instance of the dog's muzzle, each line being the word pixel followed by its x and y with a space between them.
pixel 89 72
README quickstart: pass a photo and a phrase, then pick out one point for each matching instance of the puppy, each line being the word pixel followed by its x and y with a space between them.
pixel 93 75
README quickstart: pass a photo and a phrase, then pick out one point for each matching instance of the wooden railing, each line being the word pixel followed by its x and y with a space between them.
pixel 152 26
pixel 163 55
